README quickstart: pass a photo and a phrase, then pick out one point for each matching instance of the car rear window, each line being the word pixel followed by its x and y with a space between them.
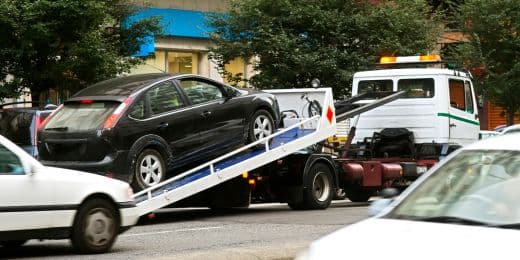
pixel 77 116
pixel 15 126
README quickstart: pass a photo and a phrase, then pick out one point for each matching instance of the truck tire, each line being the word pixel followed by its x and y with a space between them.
pixel 320 188
pixel 357 195
pixel 96 227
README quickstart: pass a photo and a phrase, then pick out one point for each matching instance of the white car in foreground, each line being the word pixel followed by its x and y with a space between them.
pixel 466 207
pixel 38 202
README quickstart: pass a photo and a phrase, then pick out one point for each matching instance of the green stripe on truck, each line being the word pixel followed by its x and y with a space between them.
pixel 459 118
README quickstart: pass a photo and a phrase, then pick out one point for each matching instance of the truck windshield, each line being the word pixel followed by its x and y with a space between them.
pixel 365 86
pixel 475 186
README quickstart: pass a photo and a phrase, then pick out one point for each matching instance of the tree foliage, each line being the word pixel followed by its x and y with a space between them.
pixel 294 41
pixel 493 28
pixel 66 44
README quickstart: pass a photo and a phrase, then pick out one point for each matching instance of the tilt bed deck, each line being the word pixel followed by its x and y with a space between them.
pixel 304 129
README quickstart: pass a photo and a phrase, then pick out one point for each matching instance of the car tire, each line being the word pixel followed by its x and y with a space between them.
pixel 149 169
pixel 261 125
pixel 96 227
pixel 13 243
pixel 319 183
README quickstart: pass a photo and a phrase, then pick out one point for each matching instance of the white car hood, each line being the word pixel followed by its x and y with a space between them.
pixel 387 239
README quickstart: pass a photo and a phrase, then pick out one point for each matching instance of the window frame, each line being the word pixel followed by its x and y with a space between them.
pixel 215 84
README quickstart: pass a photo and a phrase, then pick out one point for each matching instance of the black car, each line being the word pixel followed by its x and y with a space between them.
pixel 141 128
pixel 20 124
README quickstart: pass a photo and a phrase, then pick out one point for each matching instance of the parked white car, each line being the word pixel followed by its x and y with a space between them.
pixel 466 207
pixel 38 202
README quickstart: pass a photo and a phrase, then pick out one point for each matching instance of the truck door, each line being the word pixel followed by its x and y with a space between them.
pixel 463 116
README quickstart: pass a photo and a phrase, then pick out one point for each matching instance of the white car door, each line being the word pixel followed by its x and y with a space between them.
pixel 27 200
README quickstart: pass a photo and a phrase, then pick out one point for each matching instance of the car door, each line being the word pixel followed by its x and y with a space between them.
pixel 219 119
pixel 162 111
pixel 464 124
pixel 27 200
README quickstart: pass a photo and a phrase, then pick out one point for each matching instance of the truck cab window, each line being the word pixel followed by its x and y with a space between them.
pixel 468 97
pixel 457 96
pixel 366 86
pixel 417 88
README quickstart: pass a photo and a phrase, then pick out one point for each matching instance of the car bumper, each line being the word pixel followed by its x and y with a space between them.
pixel 129 215
pixel 113 165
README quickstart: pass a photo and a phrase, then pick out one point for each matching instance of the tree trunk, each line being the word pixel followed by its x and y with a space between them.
pixel 35 97
pixel 510 117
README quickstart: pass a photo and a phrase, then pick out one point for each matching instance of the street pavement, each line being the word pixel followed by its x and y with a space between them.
pixel 263 231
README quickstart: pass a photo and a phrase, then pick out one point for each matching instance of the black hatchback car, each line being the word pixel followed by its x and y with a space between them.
pixel 141 128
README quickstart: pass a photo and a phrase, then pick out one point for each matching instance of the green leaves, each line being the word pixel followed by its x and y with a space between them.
pixel 493 29
pixel 298 40
pixel 66 44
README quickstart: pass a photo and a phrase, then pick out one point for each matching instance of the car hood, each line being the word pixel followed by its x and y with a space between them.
pixel 74 177
pixel 377 238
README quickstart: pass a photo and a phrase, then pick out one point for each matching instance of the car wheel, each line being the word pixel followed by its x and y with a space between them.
pixel 149 169
pixel 96 227
pixel 319 192
pixel 262 125
pixel 12 243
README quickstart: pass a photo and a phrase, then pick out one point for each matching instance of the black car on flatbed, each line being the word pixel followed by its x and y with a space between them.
pixel 139 128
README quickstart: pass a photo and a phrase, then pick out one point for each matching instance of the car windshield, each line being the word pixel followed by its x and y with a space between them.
pixel 474 187
pixel 76 116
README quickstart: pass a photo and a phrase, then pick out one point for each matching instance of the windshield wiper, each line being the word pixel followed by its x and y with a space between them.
pixel 61 128
pixel 453 220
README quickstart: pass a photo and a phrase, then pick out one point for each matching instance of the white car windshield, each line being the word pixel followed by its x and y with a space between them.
pixel 474 187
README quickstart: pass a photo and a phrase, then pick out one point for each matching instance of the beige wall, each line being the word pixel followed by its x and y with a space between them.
pixel 197 5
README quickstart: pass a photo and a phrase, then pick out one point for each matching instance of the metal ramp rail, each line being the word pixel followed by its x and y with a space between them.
pixel 302 133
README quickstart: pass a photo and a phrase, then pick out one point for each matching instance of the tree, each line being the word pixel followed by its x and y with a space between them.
pixel 66 44
pixel 294 41
pixel 493 28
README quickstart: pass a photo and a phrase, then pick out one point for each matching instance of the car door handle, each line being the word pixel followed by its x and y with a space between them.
pixel 205 113
pixel 163 125
pixel 453 125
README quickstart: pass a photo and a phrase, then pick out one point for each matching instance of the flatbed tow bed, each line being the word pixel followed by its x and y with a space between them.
pixel 303 131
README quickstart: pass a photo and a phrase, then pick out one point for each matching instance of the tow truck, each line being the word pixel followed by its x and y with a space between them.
pixel 403 121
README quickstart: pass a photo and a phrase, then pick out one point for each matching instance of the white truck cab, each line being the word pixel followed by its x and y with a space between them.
pixel 439 105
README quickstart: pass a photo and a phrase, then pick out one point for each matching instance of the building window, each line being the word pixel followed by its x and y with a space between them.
pixel 183 62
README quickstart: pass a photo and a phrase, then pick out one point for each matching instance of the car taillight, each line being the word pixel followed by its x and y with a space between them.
pixel 42 124
pixel 114 117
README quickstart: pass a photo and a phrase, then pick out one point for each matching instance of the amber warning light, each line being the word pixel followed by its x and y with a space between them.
pixel 409 59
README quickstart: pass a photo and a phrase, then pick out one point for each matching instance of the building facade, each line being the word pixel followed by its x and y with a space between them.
pixel 184 45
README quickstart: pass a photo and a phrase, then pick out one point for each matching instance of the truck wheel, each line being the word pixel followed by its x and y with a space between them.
pixel 356 195
pixel 319 192
pixel 95 227
pixel 261 125
pixel 149 169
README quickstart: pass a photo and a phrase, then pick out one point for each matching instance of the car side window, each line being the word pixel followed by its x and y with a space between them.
pixel 138 110
pixel 10 164
pixel 163 98
pixel 200 92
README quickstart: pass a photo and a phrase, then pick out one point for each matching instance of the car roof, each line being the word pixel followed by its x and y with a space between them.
pixel 408 72
pixel 511 127
pixel 501 142
pixel 122 86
